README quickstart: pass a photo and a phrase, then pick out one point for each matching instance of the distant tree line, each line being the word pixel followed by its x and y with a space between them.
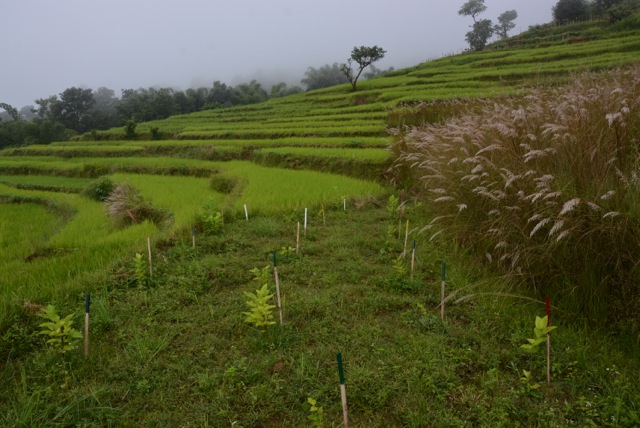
pixel 564 11
pixel 79 110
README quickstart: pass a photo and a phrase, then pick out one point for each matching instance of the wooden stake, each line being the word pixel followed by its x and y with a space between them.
pixel 275 273
pixel 344 203
pixel 246 213
pixel 324 219
pixel 149 250
pixel 86 325
pixel 443 277
pixel 298 240
pixel 413 258
pixel 193 237
pixel 343 391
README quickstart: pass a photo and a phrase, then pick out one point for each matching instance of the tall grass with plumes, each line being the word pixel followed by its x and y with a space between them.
pixel 544 186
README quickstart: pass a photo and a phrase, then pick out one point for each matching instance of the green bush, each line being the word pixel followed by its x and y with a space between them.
pixel 99 189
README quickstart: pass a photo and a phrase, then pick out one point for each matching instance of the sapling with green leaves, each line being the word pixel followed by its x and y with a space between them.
pixel 260 312
pixel 541 333
pixel 316 413
pixel 62 335
pixel 141 270
pixel 262 276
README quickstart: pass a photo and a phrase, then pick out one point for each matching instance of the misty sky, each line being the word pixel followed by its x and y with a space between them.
pixel 51 45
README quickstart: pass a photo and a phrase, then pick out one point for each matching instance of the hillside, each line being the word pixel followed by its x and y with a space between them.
pixel 223 197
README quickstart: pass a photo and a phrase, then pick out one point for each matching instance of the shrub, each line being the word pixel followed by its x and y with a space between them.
pixel 545 186
pixel 99 189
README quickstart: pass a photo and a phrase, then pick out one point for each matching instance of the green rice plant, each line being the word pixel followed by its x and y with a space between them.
pixel 260 312
pixel 62 336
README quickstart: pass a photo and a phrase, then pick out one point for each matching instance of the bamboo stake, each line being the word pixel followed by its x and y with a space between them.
pixel 547 304
pixel 324 218
pixel 86 325
pixel 413 258
pixel 150 262
pixel 344 203
pixel 443 277
pixel 343 391
pixel 298 241
pixel 246 213
pixel 275 273
pixel 193 237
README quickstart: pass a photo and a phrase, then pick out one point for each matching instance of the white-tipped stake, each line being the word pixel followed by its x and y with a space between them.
pixel 298 240
pixel 344 203
pixel 193 237
pixel 150 262
pixel 343 391
pixel 305 222
pixel 246 213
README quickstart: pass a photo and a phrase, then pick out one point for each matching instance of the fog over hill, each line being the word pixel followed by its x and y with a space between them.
pixel 122 44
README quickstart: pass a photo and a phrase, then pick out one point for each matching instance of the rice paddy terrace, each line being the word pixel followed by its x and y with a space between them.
pixel 273 145
pixel 317 150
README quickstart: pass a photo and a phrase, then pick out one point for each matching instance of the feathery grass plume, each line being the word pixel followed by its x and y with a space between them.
pixel 543 185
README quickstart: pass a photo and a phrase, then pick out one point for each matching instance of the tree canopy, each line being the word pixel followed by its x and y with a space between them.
pixel 363 56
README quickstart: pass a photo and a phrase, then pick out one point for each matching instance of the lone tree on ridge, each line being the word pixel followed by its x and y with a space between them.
pixel 363 56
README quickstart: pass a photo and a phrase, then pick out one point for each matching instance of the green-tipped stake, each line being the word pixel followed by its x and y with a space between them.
pixel 86 325
pixel 343 391
pixel 413 258
pixel 275 273
pixel 443 277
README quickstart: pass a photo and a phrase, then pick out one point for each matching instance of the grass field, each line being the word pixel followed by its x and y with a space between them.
pixel 170 345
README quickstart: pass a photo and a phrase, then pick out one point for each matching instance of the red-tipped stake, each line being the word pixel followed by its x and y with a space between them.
pixel 275 273
pixel 443 277
pixel 343 391
pixel 149 251
pixel 547 307
pixel 86 325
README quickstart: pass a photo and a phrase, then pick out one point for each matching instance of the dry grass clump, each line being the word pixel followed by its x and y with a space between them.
pixel 125 206
pixel 545 186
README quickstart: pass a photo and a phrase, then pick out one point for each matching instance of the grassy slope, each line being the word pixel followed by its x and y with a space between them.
pixel 176 352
